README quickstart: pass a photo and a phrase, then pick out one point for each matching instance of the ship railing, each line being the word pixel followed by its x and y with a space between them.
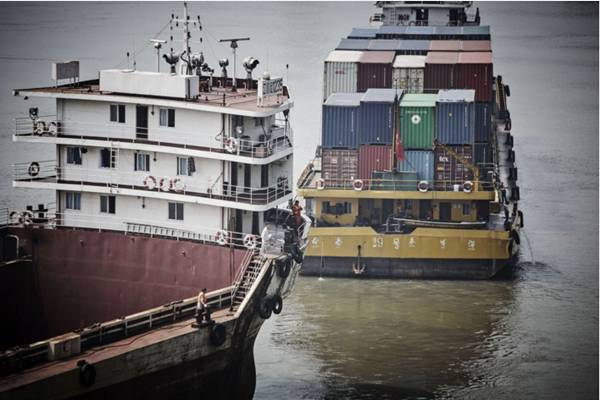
pixel 103 333
pixel 42 215
pixel 273 140
pixel 48 171
pixel 449 185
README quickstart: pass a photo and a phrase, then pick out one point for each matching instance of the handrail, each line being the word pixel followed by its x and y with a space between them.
pixel 237 282
pixel 448 185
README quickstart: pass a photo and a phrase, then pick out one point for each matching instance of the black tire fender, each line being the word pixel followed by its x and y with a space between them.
pixel 276 304
pixel 87 373
pixel 264 308
pixel 218 334
pixel 514 235
pixel 297 254
pixel 521 220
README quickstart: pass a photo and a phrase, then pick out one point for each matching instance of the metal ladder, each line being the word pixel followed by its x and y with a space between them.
pixel 249 276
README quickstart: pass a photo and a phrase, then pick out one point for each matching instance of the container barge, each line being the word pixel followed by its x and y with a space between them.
pixel 416 175
pixel 165 183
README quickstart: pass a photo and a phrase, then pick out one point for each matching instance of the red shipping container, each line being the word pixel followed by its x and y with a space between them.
pixel 475 71
pixel 373 158
pixel 476 45
pixel 375 70
pixel 444 45
pixel 440 69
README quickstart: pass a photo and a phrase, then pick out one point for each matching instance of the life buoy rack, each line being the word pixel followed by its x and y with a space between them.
pixel 53 128
pixel 358 185
pixel 218 334
pixel 14 217
pixel 177 185
pixel 165 184
pixel 231 144
pixel 468 187
pixel 26 218
pixel 423 186
pixel 39 127
pixel 276 304
pixel 265 307
pixel 87 373
pixel 284 268
pixel 221 237
pixel 150 182
pixel 34 169
pixel 320 184
pixel 250 241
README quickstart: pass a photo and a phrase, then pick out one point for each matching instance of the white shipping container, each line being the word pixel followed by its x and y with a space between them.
pixel 340 72
pixel 408 73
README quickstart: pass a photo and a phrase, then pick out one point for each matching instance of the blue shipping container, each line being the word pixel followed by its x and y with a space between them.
pixel 376 116
pixel 483 122
pixel 340 121
pixel 455 117
pixel 419 161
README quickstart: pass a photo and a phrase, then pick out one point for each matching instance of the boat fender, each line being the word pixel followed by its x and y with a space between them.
pixel 221 237
pixel 231 144
pixel 468 187
pixel 26 217
pixel 250 241
pixel 53 128
pixel 358 185
pixel 177 185
pixel 507 90
pixel 218 334
pixel 511 141
pixel 87 373
pixel 284 267
pixel 276 304
pixel 264 307
pixel 296 254
pixel 150 182
pixel 423 186
pixel 39 128
pixel 514 235
pixel 165 184
pixel 320 184
pixel 15 217
pixel 521 220
pixel 508 124
pixel 34 169
pixel 516 175
pixel 507 141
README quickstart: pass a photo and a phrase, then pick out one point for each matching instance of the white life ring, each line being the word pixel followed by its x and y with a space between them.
pixel 415 119
pixel 358 185
pixel 423 186
pixel 15 217
pixel 221 237
pixel 320 184
pixel 231 144
pixel 250 241
pixel 177 185
pixel 150 182
pixel 39 127
pixel 26 217
pixel 468 187
pixel 53 128
pixel 165 184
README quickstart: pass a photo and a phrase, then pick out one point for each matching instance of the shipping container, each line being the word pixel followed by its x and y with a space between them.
pixel 340 121
pixel 373 158
pixel 440 67
pixel 419 161
pixel 479 32
pixel 341 72
pixel 448 170
pixel 447 33
pixel 384 44
pixel 455 117
pixel 339 167
pixel 376 116
pixel 409 73
pixel 483 121
pixel 363 33
pixel 394 180
pixel 476 45
pixel 475 71
pixel 413 47
pixel 444 45
pixel 419 32
pixel 417 120
pixel 353 44
pixel 391 31
pixel 482 154
pixel 375 70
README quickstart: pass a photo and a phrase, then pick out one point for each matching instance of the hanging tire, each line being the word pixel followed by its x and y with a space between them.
pixel 521 220
pixel 297 254
pixel 284 268
pixel 87 373
pixel 276 304
pixel 264 308
pixel 514 235
pixel 218 334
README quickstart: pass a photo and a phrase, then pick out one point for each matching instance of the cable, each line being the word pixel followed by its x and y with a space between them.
pixel 146 45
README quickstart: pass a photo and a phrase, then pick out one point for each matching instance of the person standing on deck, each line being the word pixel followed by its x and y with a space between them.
pixel 297 213
pixel 202 311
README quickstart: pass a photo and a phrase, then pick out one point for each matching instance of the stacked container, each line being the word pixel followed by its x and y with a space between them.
pixel 339 167
pixel 376 116
pixel 455 117
pixel 353 44
pixel 445 45
pixel 440 69
pixel 341 72
pixel 375 70
pixel 449 171
pixel 475 71
pixel 483 122
pixel 373 158
pixel 340 121
pixel 417 121
pixel 409 73
pixel 419 161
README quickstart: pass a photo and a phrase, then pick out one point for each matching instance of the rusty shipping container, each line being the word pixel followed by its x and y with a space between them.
pixel 475 71
pixel 340 72
pixel 339 167
pixel 448 170
pixel 440 70
pixel 377 116
pixel 455 117
pixel 375 70
pixel 340 121
pixel 373 158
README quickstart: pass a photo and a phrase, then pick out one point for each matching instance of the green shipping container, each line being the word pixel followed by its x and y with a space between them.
pixel 417 121
pixel 392 180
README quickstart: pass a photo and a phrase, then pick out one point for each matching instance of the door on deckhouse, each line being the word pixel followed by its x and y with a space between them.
pixel 141 122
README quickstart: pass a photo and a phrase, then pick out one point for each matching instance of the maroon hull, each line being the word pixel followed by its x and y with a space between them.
pixel 82 277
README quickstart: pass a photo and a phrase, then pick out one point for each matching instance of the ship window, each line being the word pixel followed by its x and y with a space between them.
pixel 107 204
pixel 117 113
pixel 108 158
pixel 167 117
pixel 185 166
pixel 466 209
pixel 73 155
pixel 337 208
pixel 141 162
pixel 176 211
pixel 73 201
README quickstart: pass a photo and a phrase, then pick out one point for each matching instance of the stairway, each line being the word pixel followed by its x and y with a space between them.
pixel 251 272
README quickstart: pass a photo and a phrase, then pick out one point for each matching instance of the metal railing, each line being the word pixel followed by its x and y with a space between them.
pixel 48 171
pixel 399 185
pixel 276 139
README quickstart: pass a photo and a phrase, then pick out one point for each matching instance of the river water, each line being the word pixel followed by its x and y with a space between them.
pixel 533 336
